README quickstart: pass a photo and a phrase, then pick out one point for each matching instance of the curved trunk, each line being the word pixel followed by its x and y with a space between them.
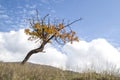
pixel 34 51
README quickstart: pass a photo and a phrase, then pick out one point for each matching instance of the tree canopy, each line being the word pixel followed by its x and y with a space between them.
pixel 45 31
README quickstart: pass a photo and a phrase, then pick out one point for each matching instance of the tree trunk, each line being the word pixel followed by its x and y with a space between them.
pixel 34 51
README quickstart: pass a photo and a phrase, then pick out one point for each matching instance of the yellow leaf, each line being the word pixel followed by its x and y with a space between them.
pixel 61 26
pixel 37 26
pixel 27 31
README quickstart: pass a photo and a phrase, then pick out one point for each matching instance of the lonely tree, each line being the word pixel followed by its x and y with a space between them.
pixel 45 31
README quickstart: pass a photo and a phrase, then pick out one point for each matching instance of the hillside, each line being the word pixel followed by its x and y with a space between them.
pixel 29 71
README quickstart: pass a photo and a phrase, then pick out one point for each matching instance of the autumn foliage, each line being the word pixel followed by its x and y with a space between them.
pixel 44 31
pixel 41 31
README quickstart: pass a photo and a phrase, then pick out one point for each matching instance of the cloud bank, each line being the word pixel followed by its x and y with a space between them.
pixel 78 56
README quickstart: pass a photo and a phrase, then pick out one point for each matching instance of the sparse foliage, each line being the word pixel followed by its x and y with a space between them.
pixel 44 31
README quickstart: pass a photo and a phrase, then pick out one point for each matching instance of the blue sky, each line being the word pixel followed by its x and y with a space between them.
pixel 100 18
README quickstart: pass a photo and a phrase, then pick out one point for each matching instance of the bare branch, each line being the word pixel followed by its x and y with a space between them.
pixel 73 22
pixel 45 16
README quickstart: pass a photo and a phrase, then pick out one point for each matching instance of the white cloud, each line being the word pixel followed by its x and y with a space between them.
pixel 3 14
pixel 97 53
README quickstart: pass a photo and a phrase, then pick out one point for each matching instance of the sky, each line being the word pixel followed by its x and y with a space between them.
pixel 98 28
pixel 100 18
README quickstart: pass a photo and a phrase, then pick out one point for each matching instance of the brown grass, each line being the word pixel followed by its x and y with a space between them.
pixel 15 71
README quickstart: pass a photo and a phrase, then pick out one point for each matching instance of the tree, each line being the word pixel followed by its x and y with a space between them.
pixel 47 32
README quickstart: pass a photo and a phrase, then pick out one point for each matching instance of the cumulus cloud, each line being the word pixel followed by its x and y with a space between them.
pixel 97 54
pixel 13 45
pixel 78 56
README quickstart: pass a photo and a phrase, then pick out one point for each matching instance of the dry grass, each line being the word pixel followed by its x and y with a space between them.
pixel 15 71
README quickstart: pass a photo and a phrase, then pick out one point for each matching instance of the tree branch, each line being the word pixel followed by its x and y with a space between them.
pixel 62 28
pixel 73 22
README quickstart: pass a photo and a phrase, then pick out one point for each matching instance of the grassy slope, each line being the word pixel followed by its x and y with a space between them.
pixel 15 71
